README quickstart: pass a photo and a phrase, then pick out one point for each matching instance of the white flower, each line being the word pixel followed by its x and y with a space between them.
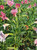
pixel 35 22
pixel 3 36
pixel 5 25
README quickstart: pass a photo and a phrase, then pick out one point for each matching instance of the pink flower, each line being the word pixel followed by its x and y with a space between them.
pixel 21 2
pixel 29 6
pixel 4 16
pixel 35 29
pixel 1 7
pixel 10 3
pixel 26 1
pixel 29 1
pixel 34 4
pixel 35 42
pixel 17 5
pixel 14 12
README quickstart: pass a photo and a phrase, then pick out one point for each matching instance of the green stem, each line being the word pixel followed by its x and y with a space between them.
pixel 16 48
pixel 35 0
pixel 19 13
pixel 16 22
pixel 36 47
pixel 15 37
pixel 2 2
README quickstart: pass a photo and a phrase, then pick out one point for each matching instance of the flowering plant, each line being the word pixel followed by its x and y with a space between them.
pixel 18 21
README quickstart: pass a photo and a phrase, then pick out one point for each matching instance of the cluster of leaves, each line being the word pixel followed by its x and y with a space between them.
pixel 19 34
pixel 3 46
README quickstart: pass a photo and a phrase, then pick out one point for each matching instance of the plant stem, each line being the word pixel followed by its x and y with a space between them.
pixel 16 22
pixel 36 47
pixel 2 2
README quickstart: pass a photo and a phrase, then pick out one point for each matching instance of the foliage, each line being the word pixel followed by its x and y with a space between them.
pixel 20 28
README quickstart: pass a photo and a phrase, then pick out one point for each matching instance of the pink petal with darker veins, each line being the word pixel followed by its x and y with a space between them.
pixel 14 12
pixel 3 16
pixel 1 7
pixel 17 5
